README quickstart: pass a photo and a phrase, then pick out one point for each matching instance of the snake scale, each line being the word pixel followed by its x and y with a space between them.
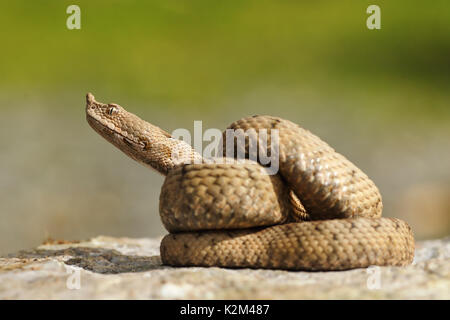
pixel 319 212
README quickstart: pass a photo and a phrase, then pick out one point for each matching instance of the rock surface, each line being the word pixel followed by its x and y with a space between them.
pixel 123 268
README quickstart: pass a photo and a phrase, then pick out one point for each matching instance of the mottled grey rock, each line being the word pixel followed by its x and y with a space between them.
pixel 123 268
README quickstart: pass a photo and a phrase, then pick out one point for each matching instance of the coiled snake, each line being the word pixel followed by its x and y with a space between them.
pixel 320 212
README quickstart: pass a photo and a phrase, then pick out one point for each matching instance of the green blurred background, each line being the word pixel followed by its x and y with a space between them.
pixel 380 97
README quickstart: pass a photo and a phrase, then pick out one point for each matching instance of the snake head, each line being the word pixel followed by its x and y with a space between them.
pixel 134 136
pixel 121 128
pixel 107 115
pixel 112 119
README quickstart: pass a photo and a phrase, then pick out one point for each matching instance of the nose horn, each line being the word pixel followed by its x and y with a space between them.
pixel 90 98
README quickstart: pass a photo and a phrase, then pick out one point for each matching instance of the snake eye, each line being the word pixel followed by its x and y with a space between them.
pixel 112 110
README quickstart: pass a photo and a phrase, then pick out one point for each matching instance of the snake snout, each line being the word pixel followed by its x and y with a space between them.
pixel 90 103
pixel 90 98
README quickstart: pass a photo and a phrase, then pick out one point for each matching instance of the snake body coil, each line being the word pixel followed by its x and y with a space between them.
pixel 320 212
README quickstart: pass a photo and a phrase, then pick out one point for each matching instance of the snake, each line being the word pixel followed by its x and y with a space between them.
pixel 317 212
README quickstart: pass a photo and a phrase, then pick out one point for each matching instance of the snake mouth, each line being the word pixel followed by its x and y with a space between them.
pixel 112 135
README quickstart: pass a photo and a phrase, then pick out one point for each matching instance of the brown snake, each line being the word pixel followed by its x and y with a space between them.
pixel 320 212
